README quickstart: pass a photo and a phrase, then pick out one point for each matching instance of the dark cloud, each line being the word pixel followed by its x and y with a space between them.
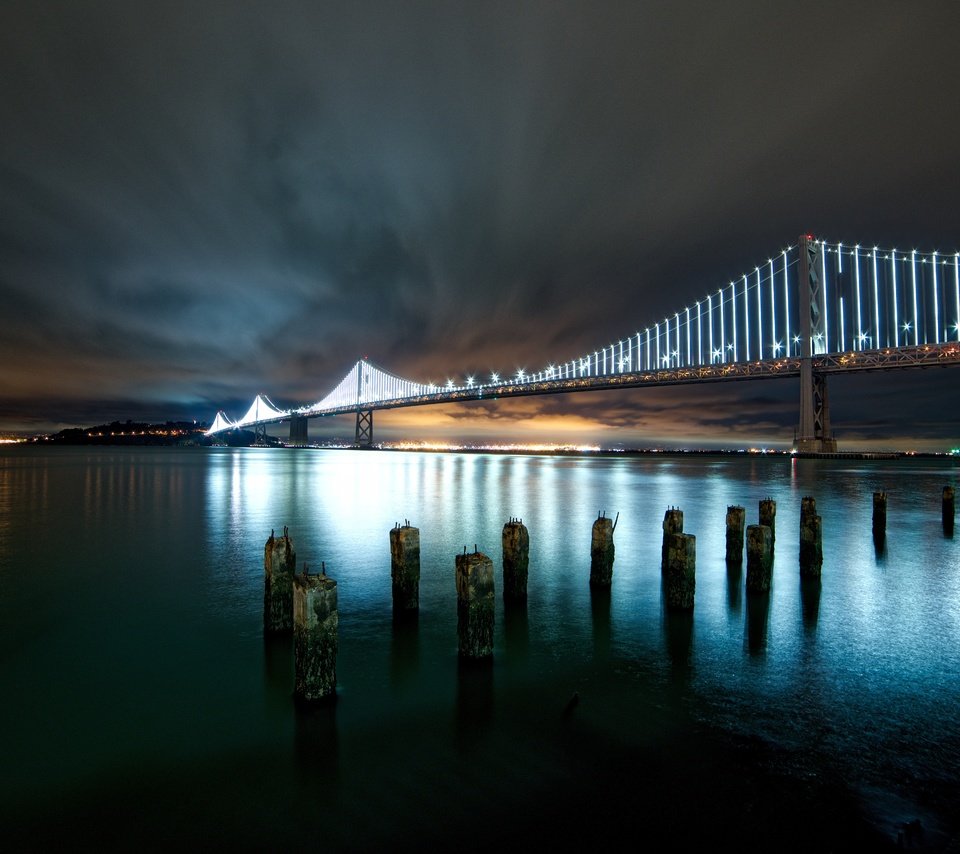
pixel 200 201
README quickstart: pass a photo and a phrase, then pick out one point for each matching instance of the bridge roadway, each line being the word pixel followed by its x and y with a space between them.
pixel 922 356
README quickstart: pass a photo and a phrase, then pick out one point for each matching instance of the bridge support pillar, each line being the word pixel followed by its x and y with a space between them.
pixel 364 434
pixel 813 435
pixel 260 435
pixel 298 431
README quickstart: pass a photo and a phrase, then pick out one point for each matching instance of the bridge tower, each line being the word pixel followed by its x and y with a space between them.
pixel 363 437
pixel 298 431
pixel 260 436
pixel 364 434
pixel 813 435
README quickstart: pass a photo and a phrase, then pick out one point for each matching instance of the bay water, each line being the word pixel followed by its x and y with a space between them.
pixel 142 707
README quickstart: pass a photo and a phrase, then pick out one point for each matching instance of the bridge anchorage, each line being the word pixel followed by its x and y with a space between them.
pixel 814 309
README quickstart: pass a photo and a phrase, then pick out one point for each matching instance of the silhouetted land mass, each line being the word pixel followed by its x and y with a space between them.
pixel 130 433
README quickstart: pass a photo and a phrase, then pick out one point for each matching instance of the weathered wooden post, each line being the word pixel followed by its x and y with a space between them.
pixel 279 566
pixel 948 510
pixel 736 520
pixel 879 515
pixel 681 579
pixel 768 517
pixel 405 566
pixel 811 541
pixel 672 524
pixel 759 558
pixel 516 559
pixel 315 636
pixel 474 604
pixel 602 550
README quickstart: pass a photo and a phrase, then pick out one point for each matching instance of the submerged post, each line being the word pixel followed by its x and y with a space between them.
pixel 736 520
pixel 405 566
pixel 315 636
pixel 672 524
pixel 768 517
pixel 948 509
pixel 601 551
pixel 759 558
pixel 279 566
pixel 879 515
pixel 516 559
pixel 474 575
pixel 681 571
pixel 811 541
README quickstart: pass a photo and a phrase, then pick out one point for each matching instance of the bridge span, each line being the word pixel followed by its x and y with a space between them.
pixel 816 309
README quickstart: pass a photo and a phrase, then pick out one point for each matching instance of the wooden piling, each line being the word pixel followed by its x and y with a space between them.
pixel 315 636
pixel 405 566
pixel 759 558
pixel 681 579
pixel 948 509
pixel 279 567
pixel 475 591
pixel 879 515
pixel 602 551
pixel 515 541
pixel 811 541
pixel 768 517
pixel 736 521
pixel 672 524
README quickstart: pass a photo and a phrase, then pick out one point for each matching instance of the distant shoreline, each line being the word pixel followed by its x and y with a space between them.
pixel 193 434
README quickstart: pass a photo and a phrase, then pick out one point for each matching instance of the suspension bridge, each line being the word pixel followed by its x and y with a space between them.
pixel 814 309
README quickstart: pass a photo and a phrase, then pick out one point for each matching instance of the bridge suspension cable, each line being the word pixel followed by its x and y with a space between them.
pixel 867 299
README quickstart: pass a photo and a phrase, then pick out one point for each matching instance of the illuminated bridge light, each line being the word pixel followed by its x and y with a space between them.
pixel 899 299
pixel 773 311
pixel 894 297
pixel 710 326
pixel 956 291
pixel 733 308
pixel 936 301
pixel 746 319
pixel 856 274
pixel 826 302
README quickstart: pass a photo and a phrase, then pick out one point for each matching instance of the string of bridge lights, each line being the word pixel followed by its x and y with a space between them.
pixel 873 299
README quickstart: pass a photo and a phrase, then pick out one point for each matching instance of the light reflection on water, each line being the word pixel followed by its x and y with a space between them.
pixel 155 646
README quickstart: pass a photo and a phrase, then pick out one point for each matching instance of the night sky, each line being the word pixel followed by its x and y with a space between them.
pixel 202 201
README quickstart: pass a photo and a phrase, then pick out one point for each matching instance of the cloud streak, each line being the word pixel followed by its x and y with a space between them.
pixel 205 201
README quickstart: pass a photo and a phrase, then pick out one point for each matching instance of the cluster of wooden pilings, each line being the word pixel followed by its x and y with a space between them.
pixel 305 604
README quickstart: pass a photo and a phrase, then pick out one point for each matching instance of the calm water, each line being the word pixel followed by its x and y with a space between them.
pixel 141 706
